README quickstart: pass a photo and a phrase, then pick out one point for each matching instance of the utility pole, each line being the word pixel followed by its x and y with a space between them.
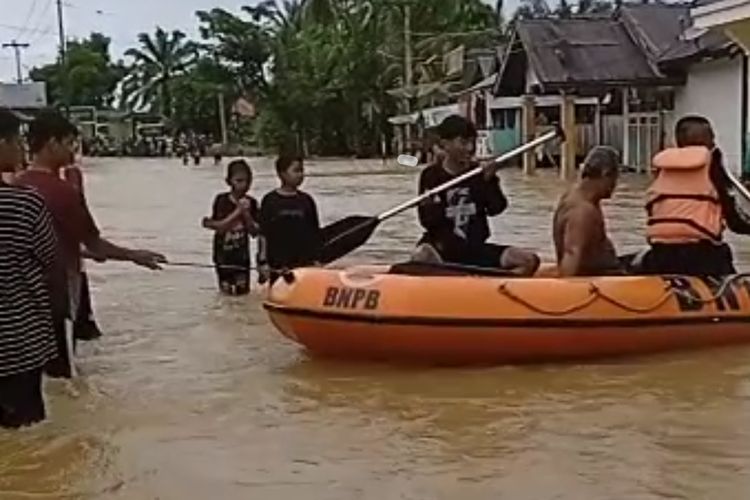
pixel 17 49
pixel 408 69
pixel 63 58
pixel 222 118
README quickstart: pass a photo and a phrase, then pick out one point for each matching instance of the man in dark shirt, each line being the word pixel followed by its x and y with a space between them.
pixel 455 221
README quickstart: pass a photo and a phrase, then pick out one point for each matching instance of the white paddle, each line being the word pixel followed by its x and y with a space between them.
pixel 407 160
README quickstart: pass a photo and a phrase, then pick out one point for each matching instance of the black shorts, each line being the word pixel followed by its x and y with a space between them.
pixel 85 327
pixel 21 401
pixel 689 259
pixel 233 281
pixel 485 255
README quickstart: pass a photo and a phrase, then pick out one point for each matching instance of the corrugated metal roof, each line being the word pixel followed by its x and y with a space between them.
pixel 576 52
pixel 656 27
pixel 661 29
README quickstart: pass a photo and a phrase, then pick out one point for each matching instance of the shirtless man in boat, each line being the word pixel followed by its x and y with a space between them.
pixel 581 243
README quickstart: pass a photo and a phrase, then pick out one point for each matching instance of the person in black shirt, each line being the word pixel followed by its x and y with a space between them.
pixel 455 221
pixel 233 220
pixel 289 224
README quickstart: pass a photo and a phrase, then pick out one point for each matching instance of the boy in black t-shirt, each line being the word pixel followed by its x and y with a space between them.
pixel 233 221
pixel 289 225
pixel 455 221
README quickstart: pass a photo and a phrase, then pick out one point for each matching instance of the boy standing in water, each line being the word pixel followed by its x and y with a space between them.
pixel 233 222
pixel 455 221
pixel 289 224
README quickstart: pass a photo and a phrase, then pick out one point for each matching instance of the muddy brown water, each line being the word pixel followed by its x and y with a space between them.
pixel 193 396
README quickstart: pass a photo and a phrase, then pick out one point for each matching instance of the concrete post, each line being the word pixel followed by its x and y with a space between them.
pixel 568 151
pixel 626 127
pixel 528 112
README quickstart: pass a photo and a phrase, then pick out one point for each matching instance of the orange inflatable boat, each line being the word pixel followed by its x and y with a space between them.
pixel 368 313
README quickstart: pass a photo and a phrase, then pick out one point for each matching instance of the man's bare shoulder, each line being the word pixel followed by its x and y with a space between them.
pixel 572 205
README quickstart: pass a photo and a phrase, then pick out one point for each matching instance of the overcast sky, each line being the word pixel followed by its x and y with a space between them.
pixel 35 22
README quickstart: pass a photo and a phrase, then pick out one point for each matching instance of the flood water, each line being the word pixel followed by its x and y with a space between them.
pixel 190 395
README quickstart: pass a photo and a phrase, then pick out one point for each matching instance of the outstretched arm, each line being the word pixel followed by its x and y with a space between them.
pixel 108 250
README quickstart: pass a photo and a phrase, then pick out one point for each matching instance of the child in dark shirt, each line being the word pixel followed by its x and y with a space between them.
pixel 455 221
pixel 233 222
pixel 289 224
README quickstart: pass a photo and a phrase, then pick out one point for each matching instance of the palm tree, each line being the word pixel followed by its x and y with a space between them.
pixel 160 59
pixel 286 15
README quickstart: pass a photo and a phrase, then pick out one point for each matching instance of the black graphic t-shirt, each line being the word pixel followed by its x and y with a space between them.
pixel 291 227
pixel 456 219
pixel 232 247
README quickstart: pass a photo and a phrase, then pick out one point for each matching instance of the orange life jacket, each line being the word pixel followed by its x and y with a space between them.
pixel 682 203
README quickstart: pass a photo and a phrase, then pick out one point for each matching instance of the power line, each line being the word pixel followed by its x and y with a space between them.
pixel 28 17
pixel 48 29
pixel 17 28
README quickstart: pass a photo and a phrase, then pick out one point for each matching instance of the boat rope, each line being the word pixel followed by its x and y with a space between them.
pixel 596 293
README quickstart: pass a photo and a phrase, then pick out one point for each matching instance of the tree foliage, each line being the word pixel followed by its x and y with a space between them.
pixel 92 77
pixel 158 61
pixel 324 75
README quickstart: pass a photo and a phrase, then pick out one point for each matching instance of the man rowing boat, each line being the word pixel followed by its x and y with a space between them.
pixel 455 221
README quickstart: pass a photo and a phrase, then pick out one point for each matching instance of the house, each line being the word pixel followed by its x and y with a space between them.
pixel 712 69
pixel 730 18
pixel 24 97
pixel 641 68
pixel 439 91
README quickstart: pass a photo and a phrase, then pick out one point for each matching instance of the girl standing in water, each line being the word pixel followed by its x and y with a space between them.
pixel 233 222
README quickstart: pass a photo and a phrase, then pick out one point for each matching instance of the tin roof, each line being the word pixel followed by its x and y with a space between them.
pixel 579 52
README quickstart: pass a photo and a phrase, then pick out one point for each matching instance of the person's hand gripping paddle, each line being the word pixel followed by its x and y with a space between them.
pixel 348 234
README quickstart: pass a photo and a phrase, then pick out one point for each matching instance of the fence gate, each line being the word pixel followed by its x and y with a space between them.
pixel 645 132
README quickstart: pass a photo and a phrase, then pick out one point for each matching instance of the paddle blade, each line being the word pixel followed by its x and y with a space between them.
pixel 346 235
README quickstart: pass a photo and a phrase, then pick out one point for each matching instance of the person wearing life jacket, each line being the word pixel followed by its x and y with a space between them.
pixel 689 205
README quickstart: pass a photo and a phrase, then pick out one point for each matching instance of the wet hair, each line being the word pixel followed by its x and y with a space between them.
pixel 601 161
pixel 689 130
pixel 455 126
pixel 283 162
pixel 49 125
pixel 238 167
pixel 10 124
